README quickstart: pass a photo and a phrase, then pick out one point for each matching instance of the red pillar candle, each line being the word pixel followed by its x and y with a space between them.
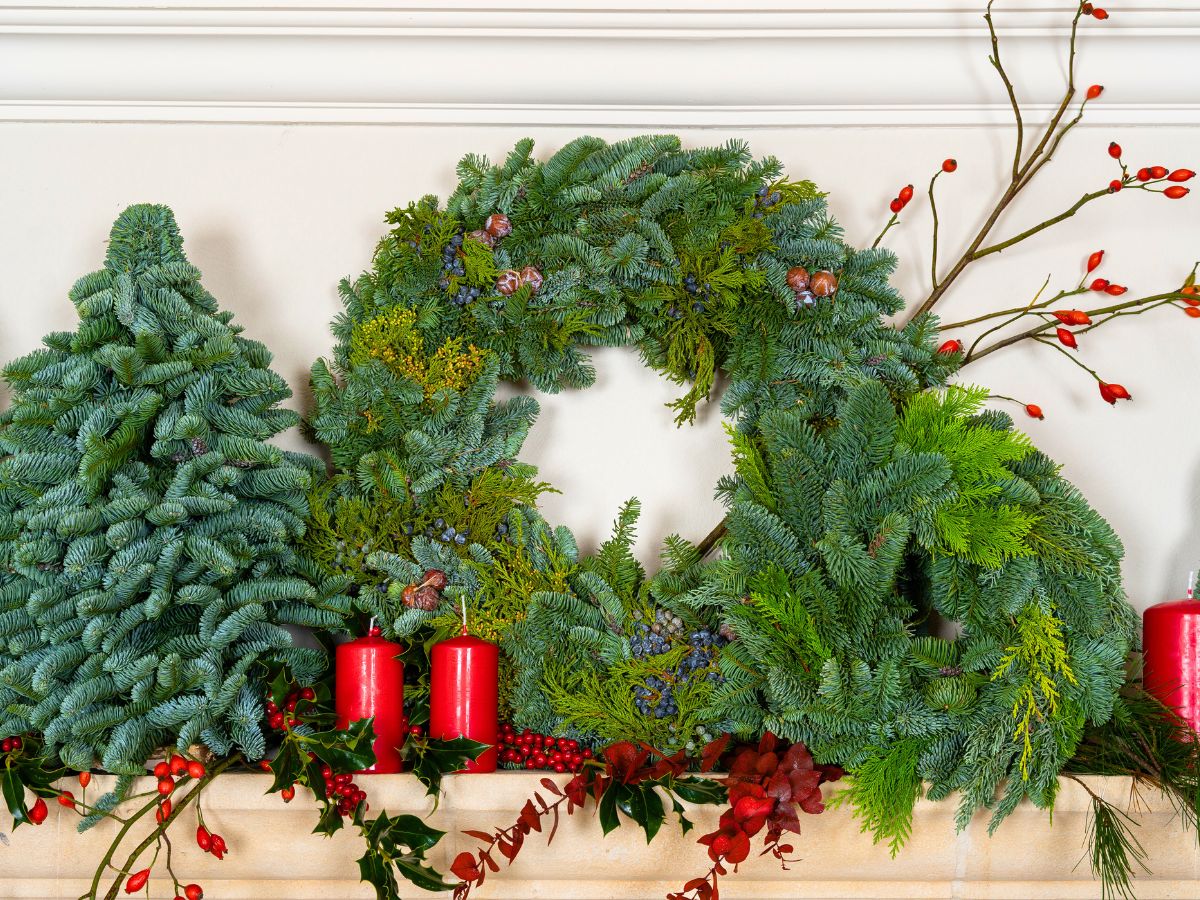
pixel 369 683
pixel 1171 640
pixel 463 678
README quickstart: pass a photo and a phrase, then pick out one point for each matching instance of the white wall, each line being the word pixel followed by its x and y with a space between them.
pixel 281 133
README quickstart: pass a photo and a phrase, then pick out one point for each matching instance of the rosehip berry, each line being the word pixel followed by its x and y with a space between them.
pixel 163 812
pixel 1191 294
pixel 85 778
pixel 288 794
pixel 166 785
pixel 1115 185
pixel 1119 392
pixel 265 765
pixel 203 839
pixel 949 165
pixel 906 194
pixel 162 770
pixel 178 765
pixel 1116 290
pixel 1087 9
pixel 1099 284
pixel 38 812
pixel 1192 311
pixel 1094 260
pixel 67 799
pixel 1176 192
pixel 137 881
pixel 1095 91
pixel 950 346
pixel 195 769
pixel 218 846
pixel 1181 175
pixel 1107 395
pixel 1098 13
pixel 1079 317
pixel 1033 410
pixel 1158 171
pixel 1066 338
pixel 896 205
pixel 1143 174
pixel 193 892
pixel 1114 150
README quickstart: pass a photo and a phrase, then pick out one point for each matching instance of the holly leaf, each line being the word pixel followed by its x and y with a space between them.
pixel 644 806
pixel 377 872
pixel 607 807
pixel 286 767
pixel 349 749
pixel 403 841
pixel 433 758
pixel 699 790
pixel 14 797
pixel 330 821
pixel 685 824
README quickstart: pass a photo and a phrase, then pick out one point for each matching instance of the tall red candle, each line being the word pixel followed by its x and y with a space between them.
pixel 1171 639
pixel 369 683
pixel 463 679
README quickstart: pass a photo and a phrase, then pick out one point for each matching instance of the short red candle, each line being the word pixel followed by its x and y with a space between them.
pixel 1171 639
pixel 463 679
pixel 369 683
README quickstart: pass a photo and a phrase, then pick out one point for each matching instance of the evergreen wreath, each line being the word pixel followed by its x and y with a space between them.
pixel 870 503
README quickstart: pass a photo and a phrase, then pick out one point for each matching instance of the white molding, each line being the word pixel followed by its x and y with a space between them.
pixel 670 63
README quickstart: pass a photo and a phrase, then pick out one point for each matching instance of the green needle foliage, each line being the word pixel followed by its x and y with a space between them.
pixel 148 531
pixel 906 585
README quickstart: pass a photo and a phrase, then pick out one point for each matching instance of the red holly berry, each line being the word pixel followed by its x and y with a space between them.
pixel 906 194
pixel 949 165
pixel 1181 175
pixel 193 892
pixel 1094 260
pixel 1116 290
pixel 1143 174
pixel 1098 13
pixel 288 793
pixel 137 881
pixel 896 205
pixel 1158 171
pixel 1032 409
pixel 162 770
pixel 416 731
pixel 1114 150
pixel 195 769
pixel 166 785
pixel 178 765
pixel 85 778
pixel 67 799
pixel 308 694
pixel 1176 192
pixel 203 839
pixel 1066 338
pixel 1099 284
pixel 950 346
pixel 1095 91
pixel 163 812
pixel 1115 185
pixel 38 812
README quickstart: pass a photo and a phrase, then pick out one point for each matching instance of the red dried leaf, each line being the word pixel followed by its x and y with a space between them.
pixel 813 804
pixel 506 848
pixel 553 788
pixel 711 754
pixel 464 867
pixel 529 816
pixel 767 742
pixel 491 864
pixel 624 760
pixel 479 835
pixel 739 848
pixel 553 827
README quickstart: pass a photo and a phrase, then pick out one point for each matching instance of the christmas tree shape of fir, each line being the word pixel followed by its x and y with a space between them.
pixel 147 558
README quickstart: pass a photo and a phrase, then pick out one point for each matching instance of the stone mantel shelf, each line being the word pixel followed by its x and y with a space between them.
pixel 274 855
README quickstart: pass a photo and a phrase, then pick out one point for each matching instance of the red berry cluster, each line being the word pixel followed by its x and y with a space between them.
pixel 167 772
pixel 210 842
pixel 1148 177
pixel 541 751
pixel 288 717
pixel 901 201
pixel 1095 12
pixel 11 745
pixel 341 787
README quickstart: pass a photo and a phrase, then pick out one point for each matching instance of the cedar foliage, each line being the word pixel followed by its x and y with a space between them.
pixel 148 531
